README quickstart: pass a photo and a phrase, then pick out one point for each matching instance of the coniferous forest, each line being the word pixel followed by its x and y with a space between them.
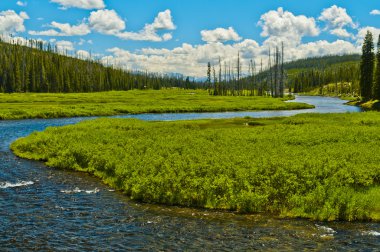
pixel 350 75
pixel 39 68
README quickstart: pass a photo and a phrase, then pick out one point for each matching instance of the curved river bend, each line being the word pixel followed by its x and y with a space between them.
pixel 47 209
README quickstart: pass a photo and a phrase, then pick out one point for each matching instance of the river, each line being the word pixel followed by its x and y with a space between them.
pixel 43 208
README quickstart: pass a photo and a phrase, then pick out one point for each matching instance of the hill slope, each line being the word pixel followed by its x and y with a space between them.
pixel 305 75
pixel 40 68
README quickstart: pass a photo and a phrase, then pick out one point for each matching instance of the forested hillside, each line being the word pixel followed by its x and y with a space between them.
pixel 321 62
pixel 39 68
pixel 344 78
pixel 273 75
pixel 343 72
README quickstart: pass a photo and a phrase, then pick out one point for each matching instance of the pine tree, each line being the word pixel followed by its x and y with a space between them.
pixel 376 90
pixel 208 75
pixel 282 78
pixel 39 68
pixel 367 66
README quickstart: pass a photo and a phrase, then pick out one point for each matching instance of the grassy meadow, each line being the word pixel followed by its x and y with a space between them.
pixel 323 167
pixel 33 105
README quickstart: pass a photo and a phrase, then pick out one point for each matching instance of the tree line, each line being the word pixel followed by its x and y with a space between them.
pixel 342 77
pixel 370 69
pixel 39 67
pixel 355 76
pixel 229 79
pixel 296 76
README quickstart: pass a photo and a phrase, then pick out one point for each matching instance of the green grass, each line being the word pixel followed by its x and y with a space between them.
pixel 329 90
pixel 354 100
pixel 31 105
pixel 367 105
pixel 323 167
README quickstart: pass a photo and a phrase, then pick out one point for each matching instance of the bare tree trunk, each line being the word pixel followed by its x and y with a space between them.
pixel 282 80
pixel 238 74
pixel 261 80
pixel 225 78
pixel 220 78
pixel 276 72
pixel 215 80
pixel 270 74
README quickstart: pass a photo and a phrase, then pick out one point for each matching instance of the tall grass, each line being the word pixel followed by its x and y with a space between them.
pixel 324 167
pixel 31 105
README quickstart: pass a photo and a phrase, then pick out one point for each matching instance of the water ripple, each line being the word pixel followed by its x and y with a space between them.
pixel 47 209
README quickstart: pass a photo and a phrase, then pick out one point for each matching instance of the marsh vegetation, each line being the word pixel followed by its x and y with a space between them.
pixel 33 105
pixel 314 166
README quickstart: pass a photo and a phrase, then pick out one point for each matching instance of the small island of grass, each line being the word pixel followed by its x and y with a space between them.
pixel 323 167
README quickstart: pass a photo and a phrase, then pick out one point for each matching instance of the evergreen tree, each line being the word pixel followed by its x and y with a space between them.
pixel 39 68
pixel 376 90
pixel 367 66
pixel 208 75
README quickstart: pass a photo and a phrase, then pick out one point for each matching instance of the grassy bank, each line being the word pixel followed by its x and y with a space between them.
pixel 367 105
pixel 335 90
pixel 353 100
pixel 30 105
pixel 322 167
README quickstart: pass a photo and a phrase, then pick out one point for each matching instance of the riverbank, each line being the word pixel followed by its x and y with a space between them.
pixel 355 101
pixel 329 91
pixel 32 105
pixel 321 167
pixel 366 105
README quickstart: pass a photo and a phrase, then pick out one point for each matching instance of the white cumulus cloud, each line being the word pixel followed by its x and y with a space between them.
pixel 284 26
pixel 64 46
pixel 167 37
pixel 150 32
pixel 322 48
pixel 22 4
pixel 336 17
pixel 106 22
pixel 363 31
pixel 81 4
pixel 83 54
pixel 164 21
pixel 65 29
pixel 375 12
pixel 342 33
pixel 220 35
pixel 192 60
pixel 11 22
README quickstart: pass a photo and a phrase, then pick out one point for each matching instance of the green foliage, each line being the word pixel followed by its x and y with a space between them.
pixel 367 66
pixel 304 75
pixel 32 105
pixel 38 68
pixel 315 166
pixel 376 89
pixel 344 78
pixel 367 105
pixel 321 62
pixel 340 89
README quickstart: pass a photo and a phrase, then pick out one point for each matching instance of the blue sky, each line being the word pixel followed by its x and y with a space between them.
pixel 181 35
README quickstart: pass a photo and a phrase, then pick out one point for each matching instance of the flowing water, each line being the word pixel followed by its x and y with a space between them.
pixel 43 208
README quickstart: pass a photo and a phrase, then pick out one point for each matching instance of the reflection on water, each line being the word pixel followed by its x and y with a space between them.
pixel 48 209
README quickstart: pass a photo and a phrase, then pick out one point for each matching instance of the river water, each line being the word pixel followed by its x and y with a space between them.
pixel 43 208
